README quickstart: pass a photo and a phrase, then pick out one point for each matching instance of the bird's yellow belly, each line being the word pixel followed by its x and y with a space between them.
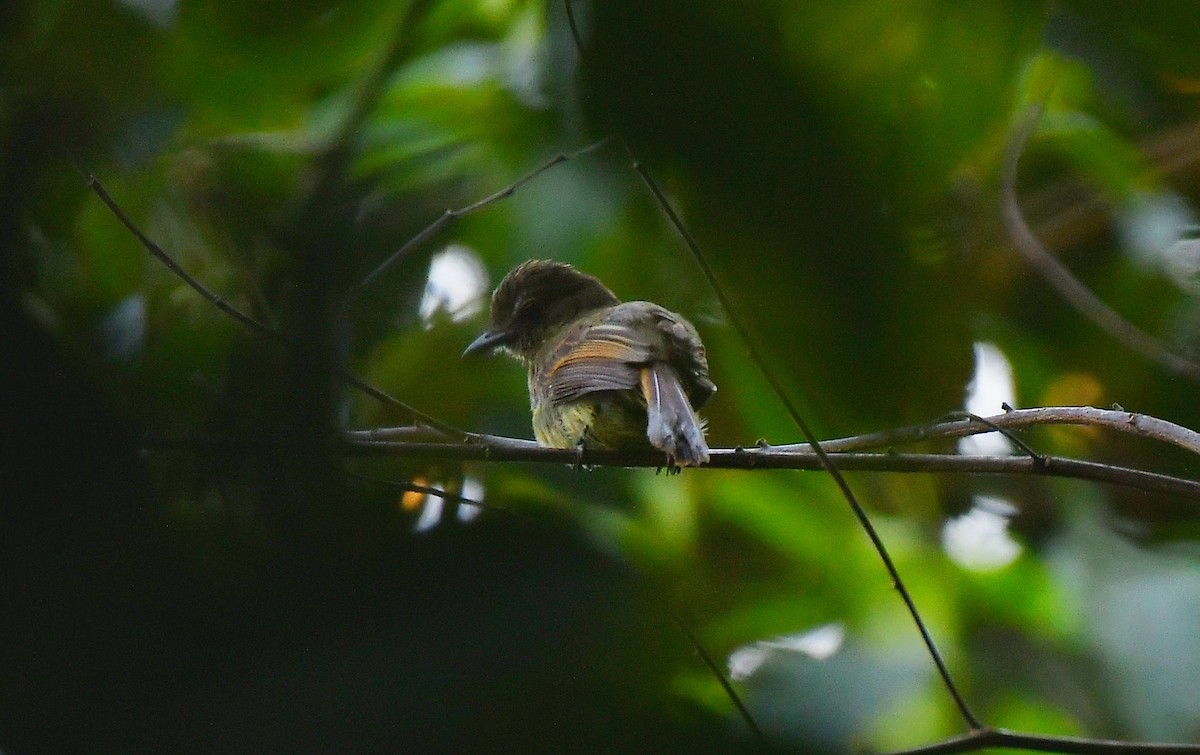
pixel 599 421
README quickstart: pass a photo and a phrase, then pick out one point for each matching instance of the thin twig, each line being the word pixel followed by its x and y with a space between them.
pixel 1117 420
pixel 726 685
pixel 1013 740
pixel 1061 279
pixel 1012 438
pixel 224 306
pixel 449 217
pixel 405 432
pixel 826 462
pixel 413 487
pixel 722 678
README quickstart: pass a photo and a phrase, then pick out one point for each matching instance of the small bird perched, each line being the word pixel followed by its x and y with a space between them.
pixel 602 373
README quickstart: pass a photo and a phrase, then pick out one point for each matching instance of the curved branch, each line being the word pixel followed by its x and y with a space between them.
pixel 1133 423
pixel 1062 280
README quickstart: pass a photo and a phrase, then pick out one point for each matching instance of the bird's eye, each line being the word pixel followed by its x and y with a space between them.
pixel 530 309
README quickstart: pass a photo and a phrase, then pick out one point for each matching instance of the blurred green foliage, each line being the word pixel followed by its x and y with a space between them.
pixel 839 166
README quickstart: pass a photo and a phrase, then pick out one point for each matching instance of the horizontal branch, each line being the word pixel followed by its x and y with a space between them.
pixel 403 441
pixel 498 449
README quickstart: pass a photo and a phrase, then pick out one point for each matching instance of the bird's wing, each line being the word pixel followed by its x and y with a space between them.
pixel 681 348
pixel 602 357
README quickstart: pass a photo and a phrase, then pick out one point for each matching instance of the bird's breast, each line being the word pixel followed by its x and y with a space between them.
pixel 602 420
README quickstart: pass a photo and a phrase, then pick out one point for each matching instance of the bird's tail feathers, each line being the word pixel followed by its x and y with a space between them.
pixel 672 425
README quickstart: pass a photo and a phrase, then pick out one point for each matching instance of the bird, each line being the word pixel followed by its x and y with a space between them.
pixel 603 374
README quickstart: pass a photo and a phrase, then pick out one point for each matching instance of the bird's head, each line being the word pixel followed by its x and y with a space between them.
pixel 536 299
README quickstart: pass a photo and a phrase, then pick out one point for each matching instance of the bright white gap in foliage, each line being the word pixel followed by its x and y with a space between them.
pixel 819 643
pixel 471 488
pixel 979 539
pixel 1157 230
pixel 433 507
pixel 456 286
pixel 431 513
pixel 990 386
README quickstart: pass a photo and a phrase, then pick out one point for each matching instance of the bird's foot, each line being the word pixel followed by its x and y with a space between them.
pixel 579 463
pixel 671 468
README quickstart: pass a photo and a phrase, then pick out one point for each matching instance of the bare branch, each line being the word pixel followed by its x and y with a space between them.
pixel 413 487
pixel 498 449
pixel 1061 279
pixel 1133 423
pixel 825 460
pixel 224 306
pixel 449 217
pixel 399 441
pixel 726 685
pixel 1011 740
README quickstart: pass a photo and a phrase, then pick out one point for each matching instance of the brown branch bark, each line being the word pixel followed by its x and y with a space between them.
pixel 1120 420
pixel 987 738
pixel 407 442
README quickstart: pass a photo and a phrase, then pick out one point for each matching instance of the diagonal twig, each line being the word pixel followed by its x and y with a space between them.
pixel 777 387
pixel 1012 438
pixel 224 306
pixel 413 487
pixel 449 217
pixel 716 671
pixel 988 738
pixel 726 685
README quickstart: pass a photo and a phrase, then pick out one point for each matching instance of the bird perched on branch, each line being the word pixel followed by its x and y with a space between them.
pixel 602 374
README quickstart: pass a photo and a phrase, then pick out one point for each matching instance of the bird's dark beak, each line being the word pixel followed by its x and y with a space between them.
pixel 488 340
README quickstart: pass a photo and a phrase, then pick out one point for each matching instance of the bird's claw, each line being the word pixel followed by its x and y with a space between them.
pixel 579 464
